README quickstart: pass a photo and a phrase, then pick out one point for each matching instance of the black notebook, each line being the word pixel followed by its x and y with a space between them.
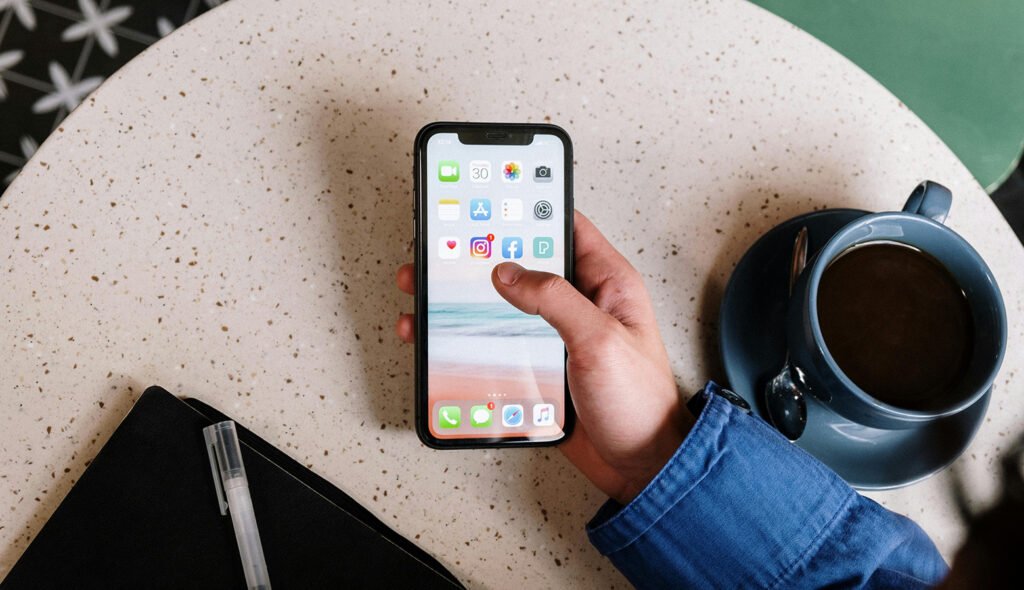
pixel 145 515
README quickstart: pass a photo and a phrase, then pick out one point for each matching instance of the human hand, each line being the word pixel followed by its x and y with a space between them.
pixel 630 415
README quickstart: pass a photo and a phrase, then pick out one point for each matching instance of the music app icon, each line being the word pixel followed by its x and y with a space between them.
pixel 543 414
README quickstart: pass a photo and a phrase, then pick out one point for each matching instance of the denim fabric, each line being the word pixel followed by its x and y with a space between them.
pixel 739 506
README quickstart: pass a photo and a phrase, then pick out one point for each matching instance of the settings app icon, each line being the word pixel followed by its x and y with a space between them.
pixel 542 210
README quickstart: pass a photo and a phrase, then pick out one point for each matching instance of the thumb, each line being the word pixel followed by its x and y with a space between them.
pixel 553 298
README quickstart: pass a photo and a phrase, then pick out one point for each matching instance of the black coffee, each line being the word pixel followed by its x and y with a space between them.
pixel 897 323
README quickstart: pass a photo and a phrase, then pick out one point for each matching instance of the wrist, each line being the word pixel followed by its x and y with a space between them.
pixel 656 454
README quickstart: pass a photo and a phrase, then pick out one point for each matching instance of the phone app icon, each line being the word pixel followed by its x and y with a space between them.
pixel 480 209
pixel 512 248
pixel 480 246
pixel 448 209
pixel 449 416
pixel 480 171
pixel 512 209
pixel 543 247
pixel 542 210
pixel 448 171
pixel 480 416
pixel 542 174
pixel 511 171
pixel 448 248
pixel 543 414
pixel 512 415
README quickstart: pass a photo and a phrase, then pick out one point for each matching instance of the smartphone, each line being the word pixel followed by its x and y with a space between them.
pixel 487 374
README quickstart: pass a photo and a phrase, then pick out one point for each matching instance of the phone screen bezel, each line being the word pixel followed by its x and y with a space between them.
pixel 483 134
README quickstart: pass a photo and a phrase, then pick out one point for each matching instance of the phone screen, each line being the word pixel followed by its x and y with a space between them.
pixel 492 371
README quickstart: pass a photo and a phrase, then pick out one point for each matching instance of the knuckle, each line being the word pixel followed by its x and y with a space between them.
pixel 553 285
pixel 632 281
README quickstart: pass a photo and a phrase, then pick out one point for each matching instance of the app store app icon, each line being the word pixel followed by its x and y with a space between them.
pixel 480 209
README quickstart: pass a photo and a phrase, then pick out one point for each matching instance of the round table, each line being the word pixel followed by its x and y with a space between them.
pixel 225 214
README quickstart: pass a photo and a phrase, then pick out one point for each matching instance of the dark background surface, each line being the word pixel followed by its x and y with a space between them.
pixel 41 38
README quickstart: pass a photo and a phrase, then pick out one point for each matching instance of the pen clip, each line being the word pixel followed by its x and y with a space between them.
pixel 215 470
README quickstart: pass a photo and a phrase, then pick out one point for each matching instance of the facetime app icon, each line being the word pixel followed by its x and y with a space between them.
pixel 448 171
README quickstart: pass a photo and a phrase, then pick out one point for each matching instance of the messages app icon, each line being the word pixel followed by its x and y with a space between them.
pixel 480 416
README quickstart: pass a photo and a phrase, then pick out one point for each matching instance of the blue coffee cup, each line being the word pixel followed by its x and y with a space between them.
pixel 919 225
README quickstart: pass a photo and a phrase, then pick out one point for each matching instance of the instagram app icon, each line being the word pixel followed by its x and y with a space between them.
pixel 480 247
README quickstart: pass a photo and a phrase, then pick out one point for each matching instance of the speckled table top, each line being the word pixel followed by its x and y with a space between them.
pixel 223 217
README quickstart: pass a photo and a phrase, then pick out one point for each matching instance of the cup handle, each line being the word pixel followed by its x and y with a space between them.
pixel 930 199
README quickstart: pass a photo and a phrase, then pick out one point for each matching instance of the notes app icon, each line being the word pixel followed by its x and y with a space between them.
pixel 448 209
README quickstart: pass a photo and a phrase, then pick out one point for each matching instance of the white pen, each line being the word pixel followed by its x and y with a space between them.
pixel 233 495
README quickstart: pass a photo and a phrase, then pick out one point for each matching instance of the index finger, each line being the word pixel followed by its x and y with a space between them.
pixel 597 260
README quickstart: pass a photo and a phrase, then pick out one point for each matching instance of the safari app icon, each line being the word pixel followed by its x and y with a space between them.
pixel 512 415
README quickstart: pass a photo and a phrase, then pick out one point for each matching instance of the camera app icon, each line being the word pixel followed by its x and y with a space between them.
pixel 542 174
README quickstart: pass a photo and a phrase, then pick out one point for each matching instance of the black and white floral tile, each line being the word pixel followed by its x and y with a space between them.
pixel 53 53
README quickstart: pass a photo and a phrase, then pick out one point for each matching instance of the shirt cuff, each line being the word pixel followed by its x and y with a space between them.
pixel 736 503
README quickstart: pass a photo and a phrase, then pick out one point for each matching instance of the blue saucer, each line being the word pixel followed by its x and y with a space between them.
pixel 753 345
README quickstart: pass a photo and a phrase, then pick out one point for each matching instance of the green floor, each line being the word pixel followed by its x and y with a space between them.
pixel 958 64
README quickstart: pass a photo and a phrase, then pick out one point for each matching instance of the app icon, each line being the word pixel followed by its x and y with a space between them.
pixel 511 171
pixel 542 210
pixel 480 246
pixel 448 209
pixel 543 414
pixel 543 247
pixel 512 209
pixel 512 248
pixel 480 171
pixel 480 209
pixel 449 416
pixel 480 416
pixel 448 248
pixel 512 415
pixel 448 171
pixel 542 174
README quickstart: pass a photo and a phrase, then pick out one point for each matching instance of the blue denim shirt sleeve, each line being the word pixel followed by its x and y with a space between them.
pixel 739 506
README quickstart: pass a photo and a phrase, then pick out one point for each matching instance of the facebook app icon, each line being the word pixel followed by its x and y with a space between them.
pixel 480 209
pixel 512 247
